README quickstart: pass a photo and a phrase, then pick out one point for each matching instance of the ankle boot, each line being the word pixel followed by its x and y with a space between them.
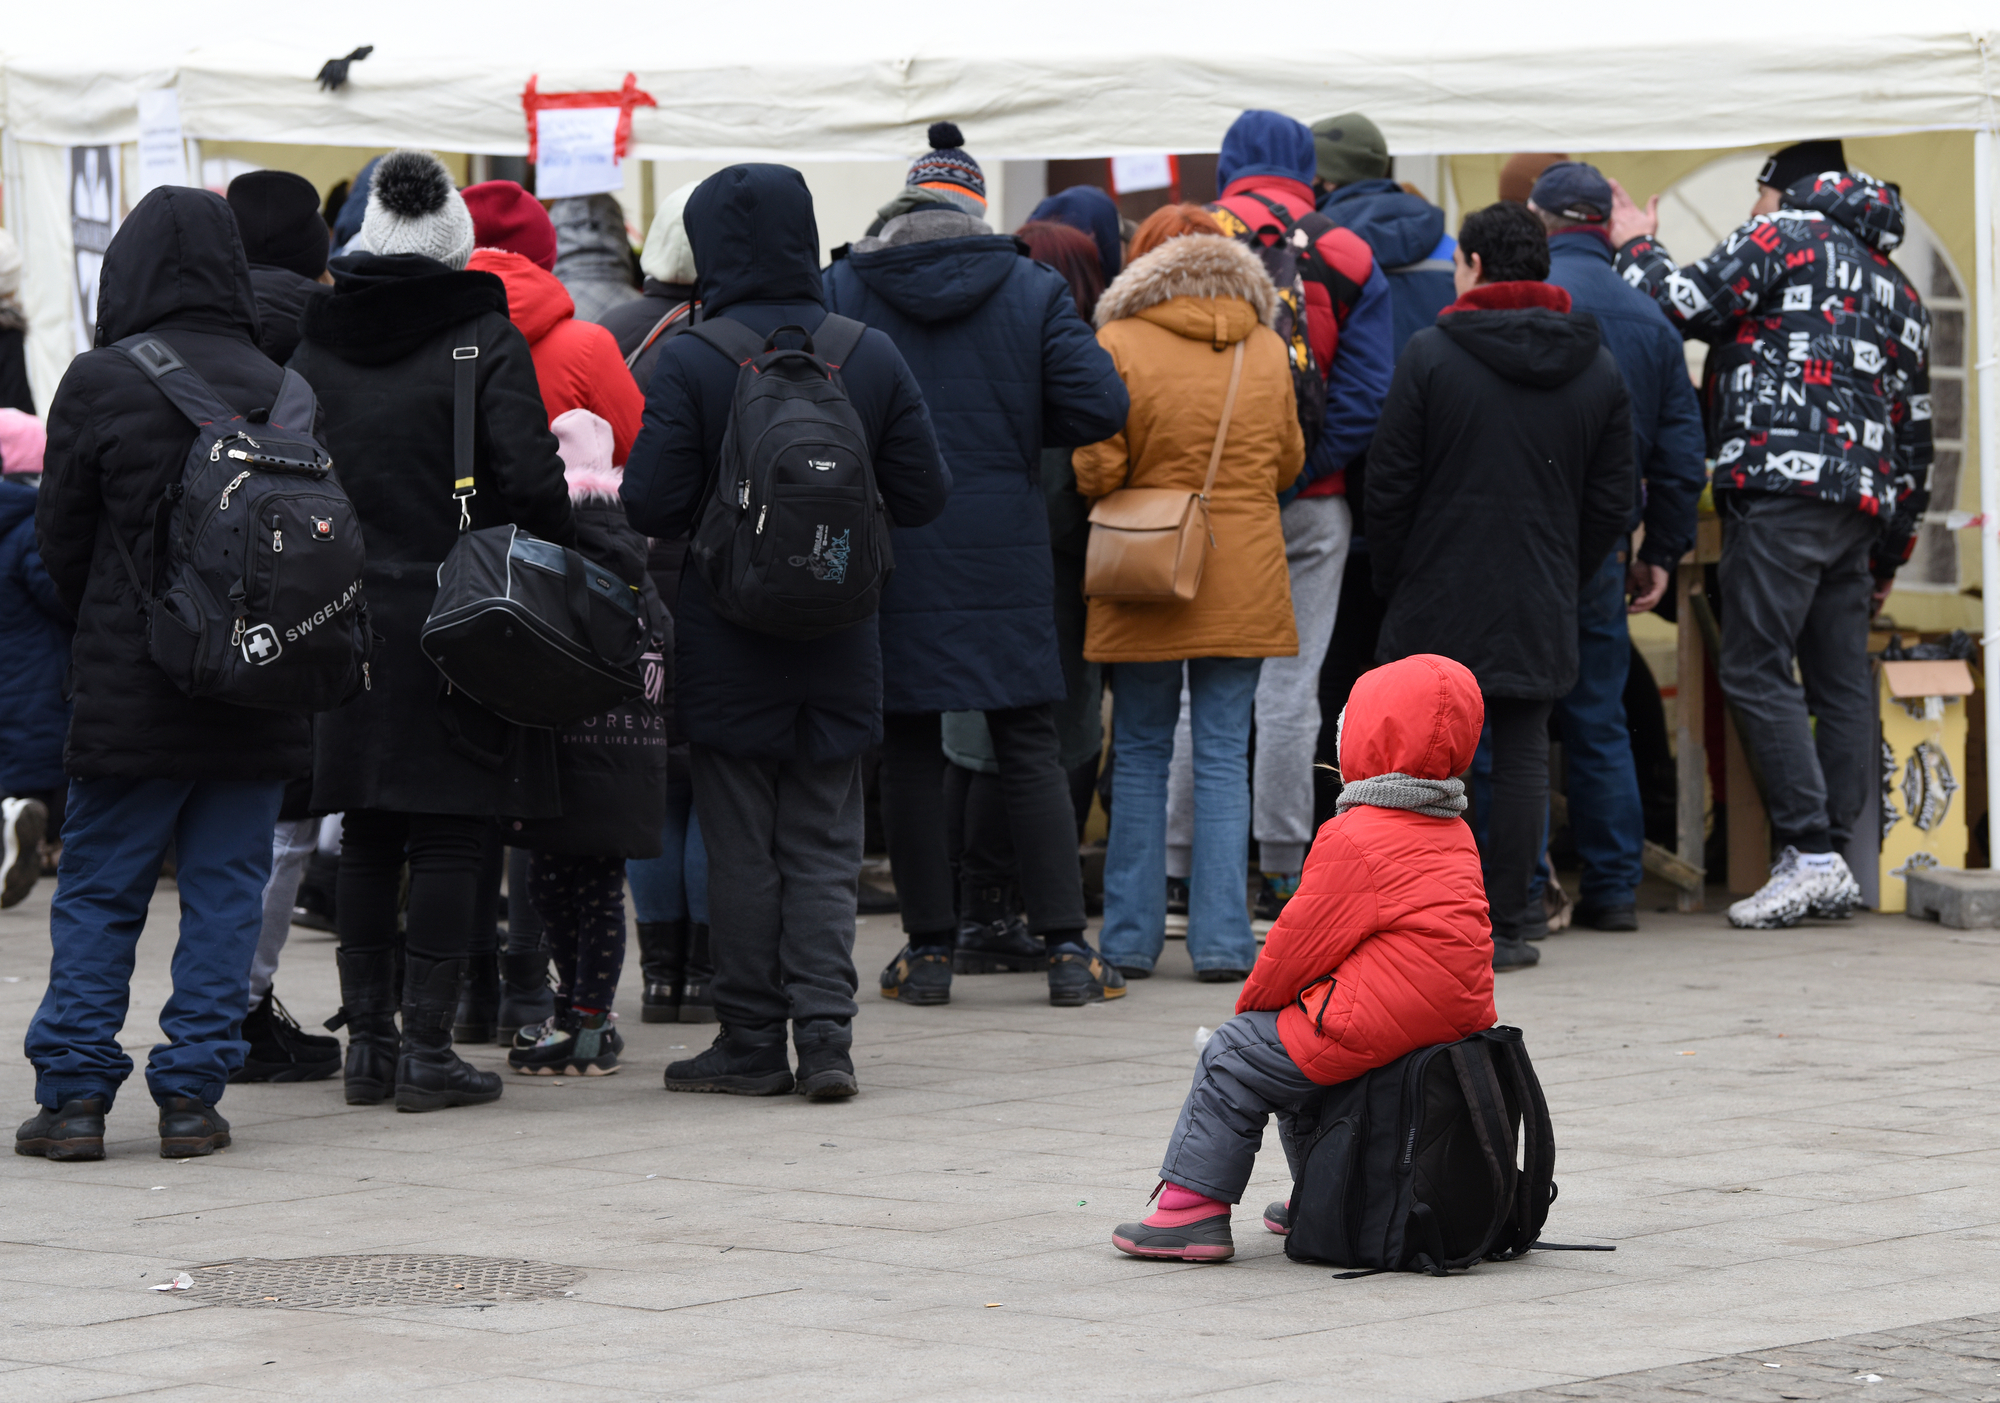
pixel 697 1002
pixel 478 999
pixel 429 1075
pixel 525 997
pixel 368 1012
pixel 993 938
pixel 663 953
pixel 826 1059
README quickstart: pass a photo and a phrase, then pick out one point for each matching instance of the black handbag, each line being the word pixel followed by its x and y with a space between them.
pixel 534 632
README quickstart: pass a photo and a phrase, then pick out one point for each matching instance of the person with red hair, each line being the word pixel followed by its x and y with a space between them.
pixel 1170 222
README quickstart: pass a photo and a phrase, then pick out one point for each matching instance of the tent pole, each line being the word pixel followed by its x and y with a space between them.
pixel 1986 291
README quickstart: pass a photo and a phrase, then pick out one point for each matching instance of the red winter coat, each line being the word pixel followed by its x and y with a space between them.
pixel 578 363
pixel 1391 905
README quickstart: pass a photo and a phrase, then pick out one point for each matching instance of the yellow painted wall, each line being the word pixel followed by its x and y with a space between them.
pixel 324 166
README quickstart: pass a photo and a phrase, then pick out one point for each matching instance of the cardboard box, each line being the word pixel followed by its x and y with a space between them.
pixel 1923 707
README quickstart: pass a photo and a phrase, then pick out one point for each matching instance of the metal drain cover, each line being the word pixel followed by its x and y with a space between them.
pixel 331 1282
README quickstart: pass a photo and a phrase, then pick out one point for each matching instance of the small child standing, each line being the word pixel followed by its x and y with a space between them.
pixel 1386 948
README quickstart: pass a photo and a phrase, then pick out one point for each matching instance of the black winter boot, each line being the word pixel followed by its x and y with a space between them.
pixel 663 955
pixel 368 1012
pixel 280 1050
pixel 429 1075
pixel 478 999
pixel 826 1062
pixel 76 1131
pixel 526 1000
pixel 993 938
pixel 697 999
pixel 741 1062
pixel 190 1127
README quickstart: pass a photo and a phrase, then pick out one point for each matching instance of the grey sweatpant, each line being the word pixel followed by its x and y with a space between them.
pixel 1244 1077
pixel 784 858
pixel 1795 582
pixel 292 843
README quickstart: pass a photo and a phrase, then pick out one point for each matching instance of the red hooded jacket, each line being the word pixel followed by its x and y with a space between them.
pixel 577 363
pixel 1388 938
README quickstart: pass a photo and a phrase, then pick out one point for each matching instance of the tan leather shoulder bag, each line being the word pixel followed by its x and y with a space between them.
pixel 1148 544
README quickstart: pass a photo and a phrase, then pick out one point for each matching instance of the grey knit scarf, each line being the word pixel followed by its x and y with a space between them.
pixel 1434 798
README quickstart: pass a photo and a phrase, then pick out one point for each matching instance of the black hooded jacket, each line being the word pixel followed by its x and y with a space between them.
pixel 176 269
pixel 744 693
pixel 281 297
pixel 378 353
pixel 1500 477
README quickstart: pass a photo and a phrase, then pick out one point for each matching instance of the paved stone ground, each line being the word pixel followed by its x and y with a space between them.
pixel 1791 1136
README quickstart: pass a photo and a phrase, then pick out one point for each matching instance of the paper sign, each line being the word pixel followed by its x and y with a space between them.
pixel 576 152
pixel 162 156
pixel 93 219
pixel 1131 174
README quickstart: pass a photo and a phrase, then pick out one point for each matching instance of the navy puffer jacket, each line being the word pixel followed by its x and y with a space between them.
pixel 34 638
pixel 1006 366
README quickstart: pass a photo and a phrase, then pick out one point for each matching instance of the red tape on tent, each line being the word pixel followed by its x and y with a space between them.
pixel 624 98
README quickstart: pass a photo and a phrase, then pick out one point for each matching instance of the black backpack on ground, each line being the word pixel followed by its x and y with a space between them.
pixel 255 592
pixel 1441 1159
pixel 534 632
pixel 794 539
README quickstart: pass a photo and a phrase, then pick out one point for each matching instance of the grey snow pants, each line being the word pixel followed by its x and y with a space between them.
pixel 1244 1077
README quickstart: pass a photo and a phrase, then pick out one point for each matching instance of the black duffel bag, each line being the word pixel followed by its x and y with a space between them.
pixel 532 631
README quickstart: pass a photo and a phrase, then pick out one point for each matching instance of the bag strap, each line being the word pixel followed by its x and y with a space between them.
pixel 464 391
pixel 731 337
pixel 1492 1128
pixel 837 338
pixel 1222 428
pixel 1285 221
pixel 1536 1188
pixel 684 310
pixel 177 380
pixel 157 526
pixel 295 407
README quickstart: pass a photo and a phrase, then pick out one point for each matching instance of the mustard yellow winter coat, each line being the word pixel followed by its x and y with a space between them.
pixel 1169 322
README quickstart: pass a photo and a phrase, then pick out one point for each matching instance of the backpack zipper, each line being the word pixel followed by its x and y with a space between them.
pixel 234 483
pixel 762 510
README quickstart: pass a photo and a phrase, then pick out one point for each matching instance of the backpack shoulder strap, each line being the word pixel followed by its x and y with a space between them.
pixel 177 380
pixel 1536 1188
pixel 296 406
pixel 1283 215
pixel 678 314
pixel 464 398
pixel 836 339
pixel 731 337
pixel 1472 1060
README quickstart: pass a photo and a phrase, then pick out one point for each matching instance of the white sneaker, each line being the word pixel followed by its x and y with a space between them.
pixel 22 823
pixel 1801 885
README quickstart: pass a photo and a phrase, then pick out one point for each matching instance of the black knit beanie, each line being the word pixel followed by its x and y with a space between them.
pixel 1798 161
pixel 278 213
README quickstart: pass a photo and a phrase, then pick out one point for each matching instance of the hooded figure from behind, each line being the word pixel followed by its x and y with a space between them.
pixel 593 255
pixel 285 239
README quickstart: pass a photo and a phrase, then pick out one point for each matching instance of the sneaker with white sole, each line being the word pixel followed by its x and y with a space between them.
pixel 22 823
pixel 1802 884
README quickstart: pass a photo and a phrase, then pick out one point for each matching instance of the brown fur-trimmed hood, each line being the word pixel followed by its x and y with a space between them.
pixel 1202 266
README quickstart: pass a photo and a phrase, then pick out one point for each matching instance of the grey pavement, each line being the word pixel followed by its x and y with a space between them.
pixel 1790 1136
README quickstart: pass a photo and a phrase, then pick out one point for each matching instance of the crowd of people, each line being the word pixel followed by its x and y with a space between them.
pixel 1476 454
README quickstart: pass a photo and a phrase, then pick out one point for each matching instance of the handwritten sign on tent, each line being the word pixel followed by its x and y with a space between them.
pixel 578 151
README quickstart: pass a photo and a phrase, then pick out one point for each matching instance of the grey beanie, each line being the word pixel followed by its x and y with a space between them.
pixel 414 208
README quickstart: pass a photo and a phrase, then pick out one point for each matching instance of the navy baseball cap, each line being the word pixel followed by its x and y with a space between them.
pixel 1574 190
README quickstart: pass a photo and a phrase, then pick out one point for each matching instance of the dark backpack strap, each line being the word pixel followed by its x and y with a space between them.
pixel 731 337
pixel 157 527
pixel 177 380
pixel 1473 1064
pixel 836 339
pixel 684 310
pixel 296 407
pixel 1536 1189
pixel 464 397
pixel 1283 215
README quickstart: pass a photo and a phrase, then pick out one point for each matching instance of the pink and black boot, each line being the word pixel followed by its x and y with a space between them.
pixel 1186 1227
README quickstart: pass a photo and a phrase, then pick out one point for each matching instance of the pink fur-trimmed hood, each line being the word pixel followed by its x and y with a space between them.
pixel 584 441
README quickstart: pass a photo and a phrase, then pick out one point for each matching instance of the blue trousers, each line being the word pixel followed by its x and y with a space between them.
pixel 114 839
pixel 1222 693
pixel 1605 816
pixel 674 885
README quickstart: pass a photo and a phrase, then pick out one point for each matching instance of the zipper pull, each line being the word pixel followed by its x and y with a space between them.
pixel 367 682
pixel 234 483
pixel 760 518
pixel 236 638
pixel 215 452
pixel 277 540
pixel 743 494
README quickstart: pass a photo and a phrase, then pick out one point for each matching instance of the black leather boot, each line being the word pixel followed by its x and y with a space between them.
pixel 697 1002
pixel 741 1062
pixel 993 936
pixel 429 1075
pixel 368 1012
pixel 663 953
pixel 478 999
pixel 526 1001
pixel 190 1127
pixel 826 1061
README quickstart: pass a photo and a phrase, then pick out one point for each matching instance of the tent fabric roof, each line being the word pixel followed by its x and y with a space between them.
pixel 1040 78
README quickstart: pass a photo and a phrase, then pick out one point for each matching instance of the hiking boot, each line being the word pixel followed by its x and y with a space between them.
pixel 663 952
pixel 826 1064
pixel 751 1062
pixel 1513 953
pixel 920 974
pixel 697 992
pixel 1221 976
pixel 280 1050
pixel 569 1045
pixel 368 1012
pixel 74 1131
pixel 190 1127
pixel 1801 885
pixel 22 824
pixel 1166 1237
pixel 1000 946
pixel 429 1075
pixel 478 999
pixel 1624 917
pixel 526 1001
pixel 1274 889
pixel 1078 975
pixel 1278 1217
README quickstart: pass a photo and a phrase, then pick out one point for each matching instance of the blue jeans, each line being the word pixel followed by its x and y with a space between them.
pixel 674 885
pixel 114 839
pixel 1605 817
pixel 1147 703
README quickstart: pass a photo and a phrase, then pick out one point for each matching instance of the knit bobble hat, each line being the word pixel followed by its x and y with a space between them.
pixel 948 172
pixel 507 217
pixel 413 208
pixel 1349 148
pixel 278 214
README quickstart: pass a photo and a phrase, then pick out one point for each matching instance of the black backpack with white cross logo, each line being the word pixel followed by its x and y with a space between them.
pixel 252 594
pixel 794 539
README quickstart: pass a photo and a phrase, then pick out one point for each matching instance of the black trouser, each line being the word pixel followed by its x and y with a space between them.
pixel 1039 813
pixel 1514 821
pixel 486 930
pixel 449 897
pixel 524 924
pixel 976 830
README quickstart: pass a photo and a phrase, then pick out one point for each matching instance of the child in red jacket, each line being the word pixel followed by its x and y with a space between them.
pixel 1386 948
